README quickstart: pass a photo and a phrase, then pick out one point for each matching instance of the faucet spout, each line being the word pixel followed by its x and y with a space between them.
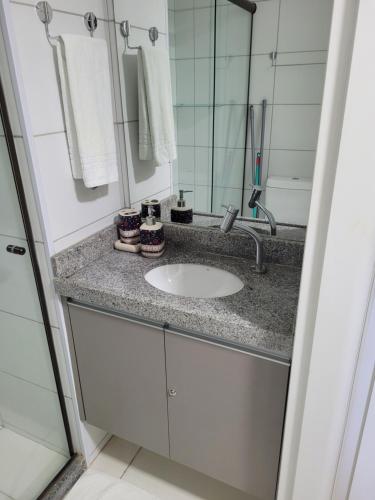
pixel 254 202
pixel 229 221
pixel 259 260
pixel 270 217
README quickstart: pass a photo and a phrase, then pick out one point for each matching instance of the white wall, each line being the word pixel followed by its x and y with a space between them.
pixel 347 277
pixel 73 211
pixel 145 179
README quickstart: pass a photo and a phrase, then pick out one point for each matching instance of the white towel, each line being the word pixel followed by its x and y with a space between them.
pixel 156 124
pixel 86 94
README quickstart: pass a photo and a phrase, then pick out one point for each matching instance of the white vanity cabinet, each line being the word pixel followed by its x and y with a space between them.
pixel 211 407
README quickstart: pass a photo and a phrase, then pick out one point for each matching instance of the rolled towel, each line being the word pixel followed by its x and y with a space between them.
pixel 119 245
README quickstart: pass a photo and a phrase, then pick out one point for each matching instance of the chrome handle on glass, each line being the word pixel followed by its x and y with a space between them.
pixel 172 393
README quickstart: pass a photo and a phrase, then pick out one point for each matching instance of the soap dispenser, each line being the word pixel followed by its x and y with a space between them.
pixel 181 213
pixel 152 236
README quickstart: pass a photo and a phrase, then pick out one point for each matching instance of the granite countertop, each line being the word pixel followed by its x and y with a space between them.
pixel 260 317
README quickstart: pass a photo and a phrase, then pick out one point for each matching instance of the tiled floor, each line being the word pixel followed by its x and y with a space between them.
pixel 26 467
pixel 158 476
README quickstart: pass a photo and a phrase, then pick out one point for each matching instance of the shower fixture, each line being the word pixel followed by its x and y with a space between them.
pixel 246 4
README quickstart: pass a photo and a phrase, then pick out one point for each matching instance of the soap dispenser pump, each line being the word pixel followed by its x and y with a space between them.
pixel 152 236
pixel 181 213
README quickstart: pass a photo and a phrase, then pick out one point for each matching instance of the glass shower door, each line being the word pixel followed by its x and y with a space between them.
pixel 33 438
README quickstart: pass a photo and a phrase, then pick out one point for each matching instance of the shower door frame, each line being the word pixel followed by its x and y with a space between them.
pixel 13 158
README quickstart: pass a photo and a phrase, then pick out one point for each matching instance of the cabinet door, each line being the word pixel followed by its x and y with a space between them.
pixel 226 413
pixel 121 368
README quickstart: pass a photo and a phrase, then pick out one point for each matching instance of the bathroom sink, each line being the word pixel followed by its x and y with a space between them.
pixel 194 280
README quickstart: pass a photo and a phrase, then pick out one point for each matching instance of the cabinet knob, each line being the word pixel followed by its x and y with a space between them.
pixel 172 393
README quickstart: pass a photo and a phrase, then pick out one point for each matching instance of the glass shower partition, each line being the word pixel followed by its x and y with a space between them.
pixel 35 442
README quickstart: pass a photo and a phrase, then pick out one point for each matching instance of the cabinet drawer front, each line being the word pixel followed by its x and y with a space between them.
pixel 121 367
pixel 226 413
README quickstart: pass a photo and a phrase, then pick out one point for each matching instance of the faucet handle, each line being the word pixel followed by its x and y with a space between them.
pixel 231 209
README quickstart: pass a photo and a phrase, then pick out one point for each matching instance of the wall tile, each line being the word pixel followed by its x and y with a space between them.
pixel 287 132
pixel 228 167
pixel 299 84
pixel 185 126
pixel 204 77
pixel 204 32
pixel 186 164
pixel 28 188
pixel 225 196
pixel 261 79
pixel 296 35
pixel 70 204
pixel 139 13
pixel 185 82
pixel 231 90
pixel 184 37
pixel 183 4
pixel 292 163
pixel 230 123
pixel 203 166
pixel 203 126
pixel 265 27
pixel 202 198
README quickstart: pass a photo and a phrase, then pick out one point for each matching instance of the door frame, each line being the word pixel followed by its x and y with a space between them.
pixel 339 263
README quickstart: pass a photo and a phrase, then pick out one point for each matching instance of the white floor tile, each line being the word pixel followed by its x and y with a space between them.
pixel 171 481
pixel 95 485
pixel 115 457
pixel 26 466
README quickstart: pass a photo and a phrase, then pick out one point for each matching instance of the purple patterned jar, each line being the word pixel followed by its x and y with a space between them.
pixel 128 223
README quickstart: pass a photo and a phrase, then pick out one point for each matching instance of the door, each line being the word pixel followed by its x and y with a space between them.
pixel 35 442
pixel 121 368
pixel 226 413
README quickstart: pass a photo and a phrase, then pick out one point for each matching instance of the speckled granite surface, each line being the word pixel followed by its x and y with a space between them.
pixel 261 316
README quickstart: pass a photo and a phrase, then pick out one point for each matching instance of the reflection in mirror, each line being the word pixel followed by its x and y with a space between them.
pixel 247 83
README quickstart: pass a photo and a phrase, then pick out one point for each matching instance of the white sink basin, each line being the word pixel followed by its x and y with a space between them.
pixel 194 280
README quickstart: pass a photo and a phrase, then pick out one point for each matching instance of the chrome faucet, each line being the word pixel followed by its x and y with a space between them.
pixel 229 221
pixel 254 202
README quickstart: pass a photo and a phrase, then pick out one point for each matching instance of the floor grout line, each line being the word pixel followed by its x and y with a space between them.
pixel 131 462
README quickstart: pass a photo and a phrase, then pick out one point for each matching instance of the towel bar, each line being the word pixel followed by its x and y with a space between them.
pixel 45 14
pixel 153 34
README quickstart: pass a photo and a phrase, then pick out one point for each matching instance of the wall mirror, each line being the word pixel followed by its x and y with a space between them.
pixel 248 81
